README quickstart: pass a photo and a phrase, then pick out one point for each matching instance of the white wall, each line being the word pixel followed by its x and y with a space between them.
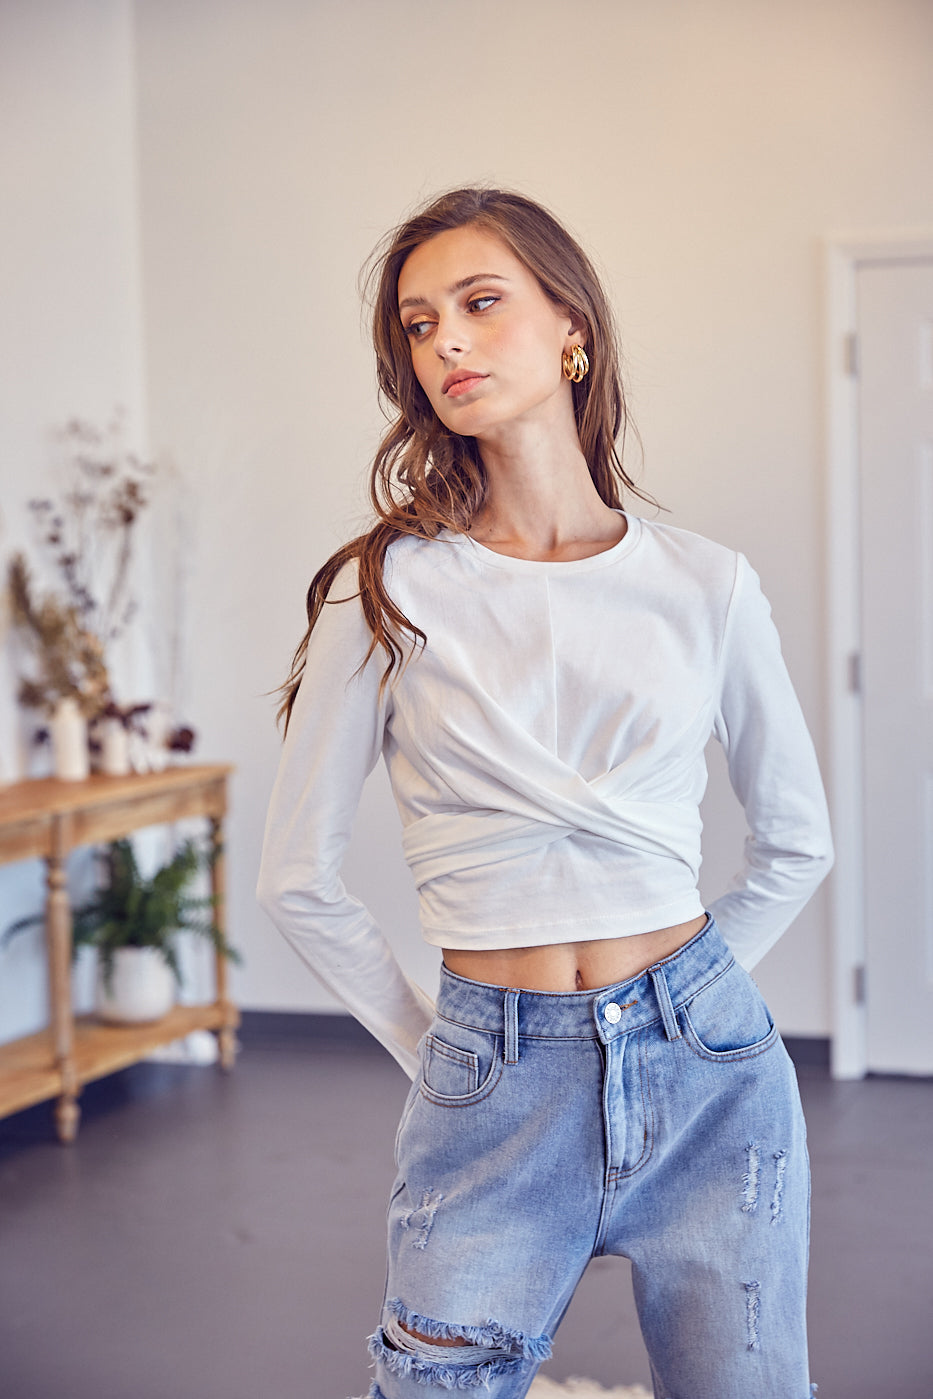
pixel 70 323
pixel 700 149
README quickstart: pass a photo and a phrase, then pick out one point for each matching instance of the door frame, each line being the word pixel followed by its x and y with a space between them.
pixel 843 256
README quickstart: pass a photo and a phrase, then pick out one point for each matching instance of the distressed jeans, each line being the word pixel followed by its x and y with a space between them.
pixel 657 1119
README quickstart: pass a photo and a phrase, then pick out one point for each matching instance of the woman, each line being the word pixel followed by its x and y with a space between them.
pixel 541 672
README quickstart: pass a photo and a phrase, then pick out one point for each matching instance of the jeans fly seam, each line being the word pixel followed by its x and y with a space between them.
pixel 605 1208
pixel 647 1107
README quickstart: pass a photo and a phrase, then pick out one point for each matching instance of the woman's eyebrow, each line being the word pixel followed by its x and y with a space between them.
pixel 457 286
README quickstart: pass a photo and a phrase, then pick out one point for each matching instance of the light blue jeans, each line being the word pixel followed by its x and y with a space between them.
pixel 657 1119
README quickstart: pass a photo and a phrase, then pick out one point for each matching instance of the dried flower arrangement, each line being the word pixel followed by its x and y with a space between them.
pixel 86 537
pixel 70 658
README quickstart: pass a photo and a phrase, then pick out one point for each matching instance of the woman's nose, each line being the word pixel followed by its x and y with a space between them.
pixel 450 337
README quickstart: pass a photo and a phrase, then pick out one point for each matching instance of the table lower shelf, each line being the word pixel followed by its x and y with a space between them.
pixel 28 1073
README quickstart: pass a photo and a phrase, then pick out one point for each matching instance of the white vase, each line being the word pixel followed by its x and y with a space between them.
pixel 70 754
pixel 143 987
pixel 114 748
pixel 158 728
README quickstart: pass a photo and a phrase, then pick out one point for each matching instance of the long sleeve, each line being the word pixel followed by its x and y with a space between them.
pixel 334 740
pixel 774 773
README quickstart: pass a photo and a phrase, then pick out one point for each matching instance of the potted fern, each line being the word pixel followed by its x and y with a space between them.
pixel 133 922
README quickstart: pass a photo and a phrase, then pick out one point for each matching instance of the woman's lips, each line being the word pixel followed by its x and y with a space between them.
pixel 461 384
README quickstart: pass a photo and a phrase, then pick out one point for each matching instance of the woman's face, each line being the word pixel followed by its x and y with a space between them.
pixel 486 342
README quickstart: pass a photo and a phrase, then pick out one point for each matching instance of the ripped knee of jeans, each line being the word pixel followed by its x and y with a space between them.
pixel 449 1355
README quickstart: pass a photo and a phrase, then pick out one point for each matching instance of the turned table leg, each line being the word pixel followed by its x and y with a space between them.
pixel 58 936
pixel 226 1035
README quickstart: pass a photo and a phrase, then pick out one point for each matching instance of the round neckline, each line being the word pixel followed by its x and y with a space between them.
pixel 511 564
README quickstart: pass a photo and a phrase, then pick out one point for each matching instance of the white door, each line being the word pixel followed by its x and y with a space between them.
pixel 895 385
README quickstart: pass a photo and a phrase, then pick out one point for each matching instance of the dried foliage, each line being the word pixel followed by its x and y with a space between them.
pixel 87 535
pixel 70 658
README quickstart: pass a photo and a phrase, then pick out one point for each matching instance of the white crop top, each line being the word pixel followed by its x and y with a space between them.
pixel 545 750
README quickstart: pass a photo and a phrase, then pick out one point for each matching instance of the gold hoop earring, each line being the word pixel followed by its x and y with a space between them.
pixel 575 363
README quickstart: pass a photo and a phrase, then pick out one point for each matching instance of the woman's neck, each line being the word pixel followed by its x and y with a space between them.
pixel 541 501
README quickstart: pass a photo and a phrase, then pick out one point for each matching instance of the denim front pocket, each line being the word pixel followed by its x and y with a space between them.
pixel 447 1070
pixel 728 1019
pixel 460 1068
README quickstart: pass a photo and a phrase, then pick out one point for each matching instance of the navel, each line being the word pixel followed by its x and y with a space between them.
pixel 579 980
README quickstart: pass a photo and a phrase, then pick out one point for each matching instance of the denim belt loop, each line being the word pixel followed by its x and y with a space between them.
pixel 510 1012
pixel 671 1027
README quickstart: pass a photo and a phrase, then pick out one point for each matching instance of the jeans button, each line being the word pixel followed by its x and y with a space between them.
pixel 612 1013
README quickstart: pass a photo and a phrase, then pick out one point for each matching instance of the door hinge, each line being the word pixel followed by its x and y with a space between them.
pixel 854 672
pixel 850 354
pixel 858 984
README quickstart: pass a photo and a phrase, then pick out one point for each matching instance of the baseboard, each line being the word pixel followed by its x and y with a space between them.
pixel 808 1051
pixel 265 1029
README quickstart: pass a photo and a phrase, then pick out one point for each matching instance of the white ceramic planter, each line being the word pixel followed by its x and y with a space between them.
pixel 70 752
pixel 143 987
pixel 114 748
pixel 158 728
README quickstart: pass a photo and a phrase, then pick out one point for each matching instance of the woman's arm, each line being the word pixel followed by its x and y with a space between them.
pixel 333 742
pixel 774 773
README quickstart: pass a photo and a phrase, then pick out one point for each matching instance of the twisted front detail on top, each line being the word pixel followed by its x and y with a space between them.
pixel 546 753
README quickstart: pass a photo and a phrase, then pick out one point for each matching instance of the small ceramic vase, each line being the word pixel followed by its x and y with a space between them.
pixel 70 752
pixel 114 748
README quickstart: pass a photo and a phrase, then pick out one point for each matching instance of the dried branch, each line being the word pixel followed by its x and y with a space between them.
pixel 70 659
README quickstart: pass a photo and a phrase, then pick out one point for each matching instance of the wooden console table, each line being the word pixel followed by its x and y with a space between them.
pixel 49 818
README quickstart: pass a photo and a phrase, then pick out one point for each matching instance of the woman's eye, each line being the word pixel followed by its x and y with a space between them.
pixel 417 329
pixel 482 303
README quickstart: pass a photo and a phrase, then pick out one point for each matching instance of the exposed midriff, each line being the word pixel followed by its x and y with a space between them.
pixel 571 966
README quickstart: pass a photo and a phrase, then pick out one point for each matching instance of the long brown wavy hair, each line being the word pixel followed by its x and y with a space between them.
pixel 426 478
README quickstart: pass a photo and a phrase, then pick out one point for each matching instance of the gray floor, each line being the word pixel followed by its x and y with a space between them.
pixel 213 1237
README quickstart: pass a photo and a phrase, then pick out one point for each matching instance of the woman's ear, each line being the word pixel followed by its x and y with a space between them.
pixel 578 327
